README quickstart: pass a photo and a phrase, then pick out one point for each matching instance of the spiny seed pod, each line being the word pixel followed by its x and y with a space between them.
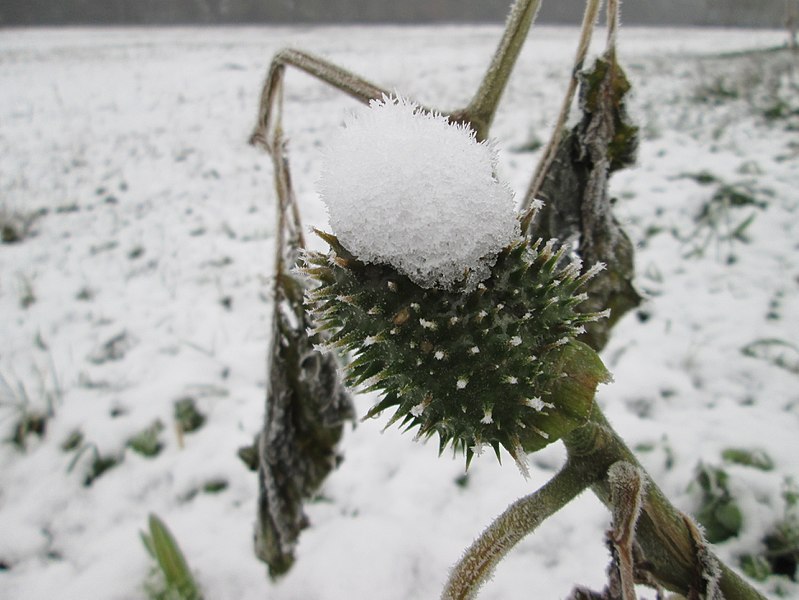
pixel 494 366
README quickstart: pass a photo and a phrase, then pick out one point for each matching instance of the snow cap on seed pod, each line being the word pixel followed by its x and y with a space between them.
pixel 406 187
pixel 487 361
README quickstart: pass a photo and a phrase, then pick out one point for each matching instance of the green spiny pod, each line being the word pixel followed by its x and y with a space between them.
pixel 495 365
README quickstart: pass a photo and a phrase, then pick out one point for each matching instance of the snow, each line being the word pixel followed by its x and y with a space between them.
pixel 160 225
pixel 406 187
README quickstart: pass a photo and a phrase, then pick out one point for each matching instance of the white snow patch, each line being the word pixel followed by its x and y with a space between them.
pixel 406 187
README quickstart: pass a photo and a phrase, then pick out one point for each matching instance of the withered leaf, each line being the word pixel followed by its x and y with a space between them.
pixel 578 208
pixel 306 409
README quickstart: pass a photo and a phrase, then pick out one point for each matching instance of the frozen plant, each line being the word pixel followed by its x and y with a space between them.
pixel 485 345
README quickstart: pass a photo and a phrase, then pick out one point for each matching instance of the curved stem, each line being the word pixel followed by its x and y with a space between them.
pixel 667 541
pixel 483 106
pixel 519 520
pixel 341 79
pixel 289 237
pixel 479 113
pixel 587 29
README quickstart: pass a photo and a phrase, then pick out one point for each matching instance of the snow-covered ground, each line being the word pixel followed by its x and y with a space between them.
pixel 145 277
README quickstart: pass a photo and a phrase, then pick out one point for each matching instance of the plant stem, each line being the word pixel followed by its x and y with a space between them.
pixel 341 79
pixel 662 532
pixel 519 519
pixel 483 106
pixel 628 489
pixel 587 29
pixel 613 28
pixel 479 113
pixel 290 238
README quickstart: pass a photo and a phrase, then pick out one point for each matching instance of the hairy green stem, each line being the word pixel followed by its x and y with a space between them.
pixel 675 558
pixel 483 106
pixel 519 520
pixel 662 533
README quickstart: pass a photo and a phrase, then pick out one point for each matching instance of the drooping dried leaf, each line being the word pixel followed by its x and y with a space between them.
pixel 306 409
pixel 578 207
pixel 306 404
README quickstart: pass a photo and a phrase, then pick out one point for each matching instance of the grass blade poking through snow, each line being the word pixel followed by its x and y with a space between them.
pixel 179 583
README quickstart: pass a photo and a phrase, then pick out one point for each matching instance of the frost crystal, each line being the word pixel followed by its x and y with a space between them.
pixel 537 404
pixel 427 324
pixel 478 448
pixel 408 188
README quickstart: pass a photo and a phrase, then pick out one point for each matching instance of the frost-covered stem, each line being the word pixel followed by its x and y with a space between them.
pixel 792 22
pixel 519 520
pixel 627 491
pixel 586 31
pixel 668 543
pixel 483 106
pixel 341 79
pixel 289 232
pixel 613 21
pixel 289 237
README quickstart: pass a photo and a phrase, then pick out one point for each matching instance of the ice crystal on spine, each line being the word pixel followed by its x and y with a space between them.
pixel 408 188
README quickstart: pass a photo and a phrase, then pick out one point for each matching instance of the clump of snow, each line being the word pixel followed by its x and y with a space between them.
pixel 408 188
